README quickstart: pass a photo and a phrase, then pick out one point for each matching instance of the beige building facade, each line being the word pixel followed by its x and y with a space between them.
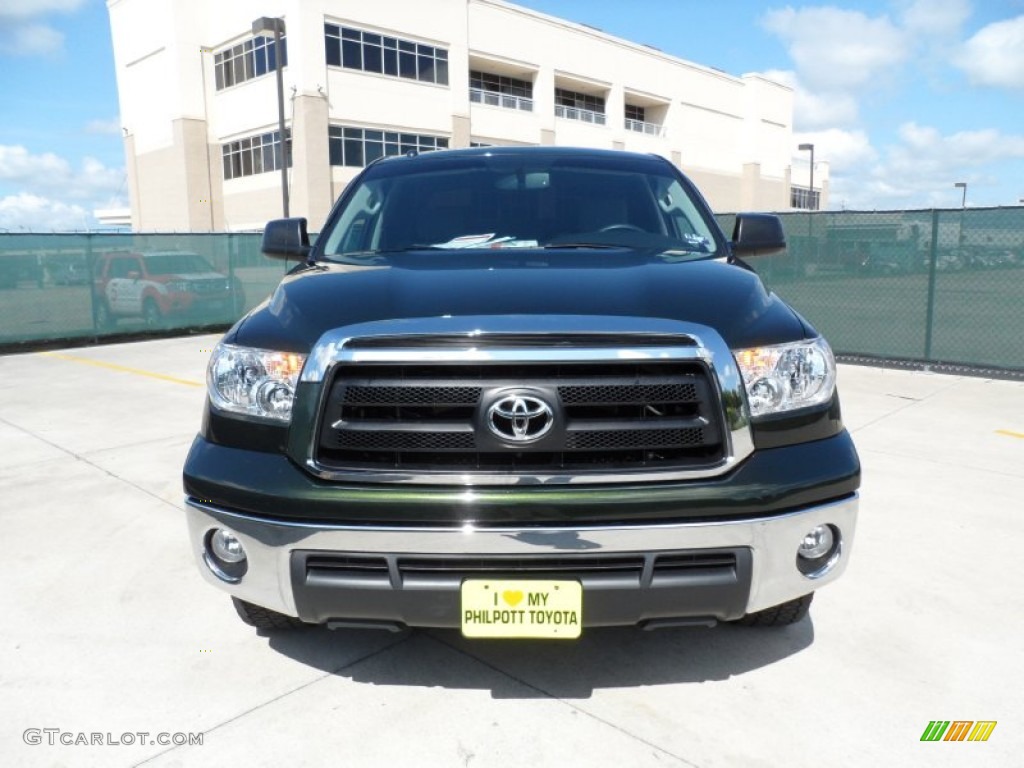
pixel 198 96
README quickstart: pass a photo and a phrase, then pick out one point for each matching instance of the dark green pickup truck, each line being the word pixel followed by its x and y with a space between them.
pixel 521 392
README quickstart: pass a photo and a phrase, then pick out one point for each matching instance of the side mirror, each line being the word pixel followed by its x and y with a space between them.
pixel 286 239
pixel 757 234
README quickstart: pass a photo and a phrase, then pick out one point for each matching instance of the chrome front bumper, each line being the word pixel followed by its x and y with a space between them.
pixel 772 541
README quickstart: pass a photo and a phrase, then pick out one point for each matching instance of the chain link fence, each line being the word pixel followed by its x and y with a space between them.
pixel 935 286
pixel 68 286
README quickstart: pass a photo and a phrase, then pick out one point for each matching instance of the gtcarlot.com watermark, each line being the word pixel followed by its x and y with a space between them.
pixel 56 736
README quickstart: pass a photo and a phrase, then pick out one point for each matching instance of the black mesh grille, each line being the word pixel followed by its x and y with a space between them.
pixel 435 417
pixel 415 395
pixel 628 393
pixel 407 441
pixel 634 438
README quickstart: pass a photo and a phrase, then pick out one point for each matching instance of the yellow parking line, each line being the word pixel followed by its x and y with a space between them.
pixel 1008 433
pixel 124 369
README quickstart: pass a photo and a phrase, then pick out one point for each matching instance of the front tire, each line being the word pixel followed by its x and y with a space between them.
pixel 264 618
pixel 103 317
pixel 779 615
pixel 151 314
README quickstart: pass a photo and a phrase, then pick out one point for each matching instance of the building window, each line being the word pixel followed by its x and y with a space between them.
pixel 579 106
pixel 636 120
pixel 636 113
pixel 248 60
pixel 356 147
pixel 804 199
pixel 500 91
pixel 371 52
pixel 255 154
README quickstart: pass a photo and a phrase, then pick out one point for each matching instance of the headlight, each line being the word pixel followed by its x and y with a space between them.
pixel 785 377
pixel 254 382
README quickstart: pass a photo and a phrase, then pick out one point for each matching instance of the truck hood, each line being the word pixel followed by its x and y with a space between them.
pixel 431 284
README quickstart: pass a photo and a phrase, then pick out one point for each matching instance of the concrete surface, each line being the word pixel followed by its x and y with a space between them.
pixel 107 628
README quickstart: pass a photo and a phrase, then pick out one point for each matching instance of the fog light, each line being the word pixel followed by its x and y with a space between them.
pixel 819 551
pixel 225 556
pixel 226 546
pixel 817 542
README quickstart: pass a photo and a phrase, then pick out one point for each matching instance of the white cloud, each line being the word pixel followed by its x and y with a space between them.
pixel 22 34
pixel 935 18
pixel 18 165
pixel 836 49
pixel 843 60
pixel 29 39
pixel 995 55
pixel 925 150
pixel 920 168
pixel 25 211
pixel 111 127
pixel 846 151
pixel 48 174
pixel 815 110
pixel 45 188
pixel 23 9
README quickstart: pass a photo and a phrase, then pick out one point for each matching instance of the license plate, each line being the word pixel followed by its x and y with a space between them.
pixel 508 608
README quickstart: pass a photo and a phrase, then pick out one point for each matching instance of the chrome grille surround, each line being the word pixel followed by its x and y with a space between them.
pixel 524 340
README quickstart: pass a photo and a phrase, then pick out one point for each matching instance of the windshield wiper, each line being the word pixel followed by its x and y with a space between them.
pixel 371 253
pixel 353 255
pixel 605 246
pixel 414 247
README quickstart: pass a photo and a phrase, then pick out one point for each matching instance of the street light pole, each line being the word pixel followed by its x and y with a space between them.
pixel 962 185
pixel 963 204
pixel 805 148
pixel 276 25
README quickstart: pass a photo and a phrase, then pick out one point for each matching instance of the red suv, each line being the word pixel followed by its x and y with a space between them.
pixel 160 284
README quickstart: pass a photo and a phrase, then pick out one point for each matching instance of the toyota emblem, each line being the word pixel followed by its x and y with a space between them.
pixel 520 418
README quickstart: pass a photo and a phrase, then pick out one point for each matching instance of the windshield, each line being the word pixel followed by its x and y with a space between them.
pixel 176 264
pixel 518 201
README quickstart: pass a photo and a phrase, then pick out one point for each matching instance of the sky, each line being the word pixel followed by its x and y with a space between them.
pixel 902 98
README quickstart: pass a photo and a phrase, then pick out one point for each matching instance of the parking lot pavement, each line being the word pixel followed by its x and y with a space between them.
pixel 107 628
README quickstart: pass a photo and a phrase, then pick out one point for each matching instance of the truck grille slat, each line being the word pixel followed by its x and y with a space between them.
pixel 491 566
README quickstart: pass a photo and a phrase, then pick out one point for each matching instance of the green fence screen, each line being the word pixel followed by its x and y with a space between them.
pixel 938 286
pixel 66 286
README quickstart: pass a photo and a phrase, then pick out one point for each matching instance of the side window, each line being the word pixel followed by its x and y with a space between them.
pixel 682 218
pixel 356 229
pixel 121 267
